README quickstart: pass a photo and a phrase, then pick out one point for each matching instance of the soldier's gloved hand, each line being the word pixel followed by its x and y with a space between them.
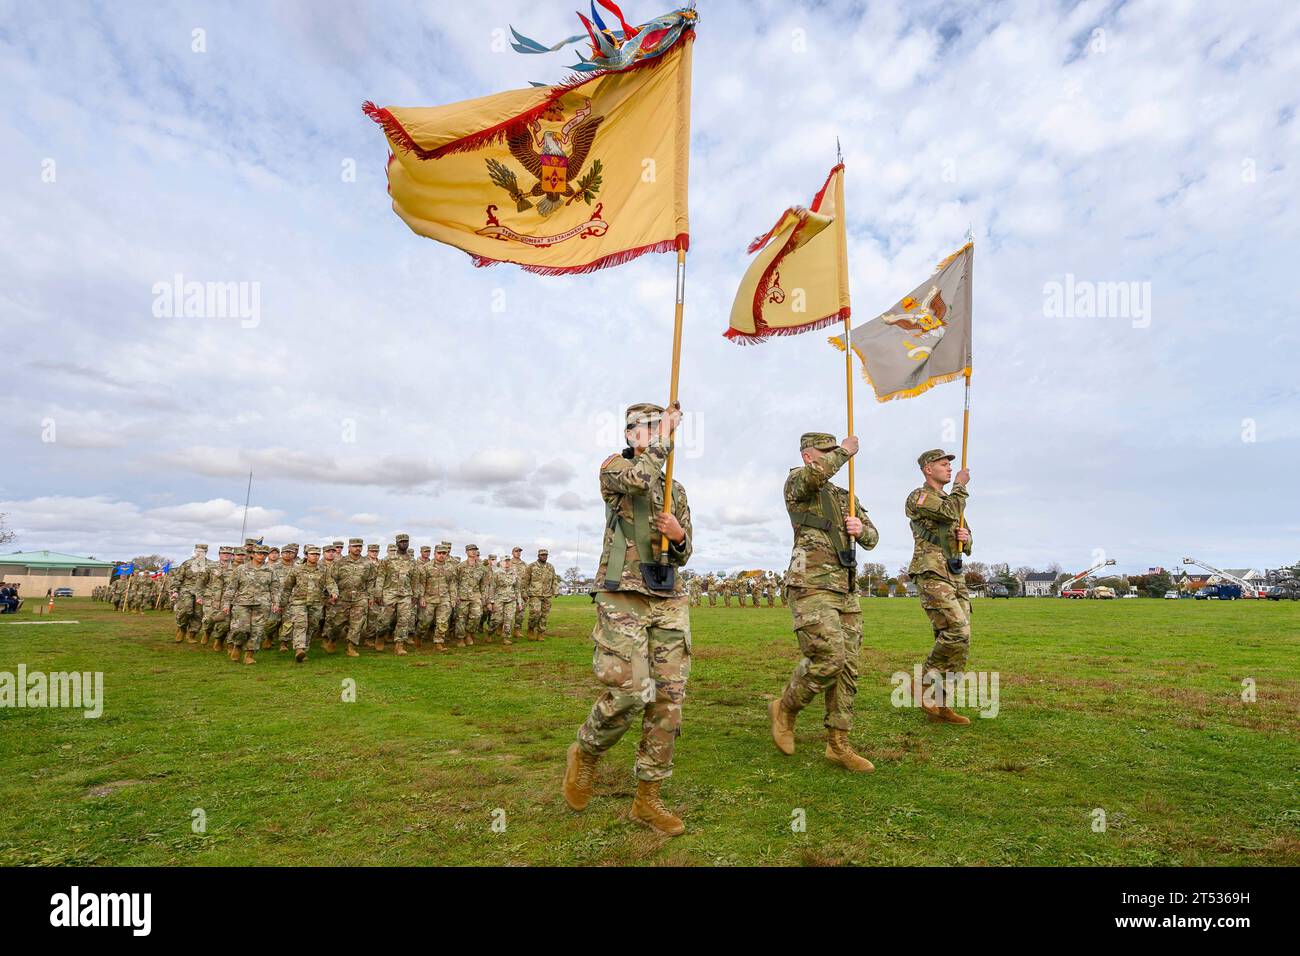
pixel 962 477
pixel 853 526
pixel 963 535
pixel 850 444
pixel 669 525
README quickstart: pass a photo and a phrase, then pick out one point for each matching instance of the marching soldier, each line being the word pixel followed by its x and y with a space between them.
pixel 421 629
pixel 214 624
pixel 941 538
pixel 541 583
pixel 693 588
pixel 247 600
pixel 643 631
pixel 303 591
pixel 485 622
pixel 187 591
pixel 725 586
pixel 280 561
pixel 353 577
pixel 438 595
pixel 505 597
pixel 471 593
pixel 334 626
pixel 517 559
pixel 824 599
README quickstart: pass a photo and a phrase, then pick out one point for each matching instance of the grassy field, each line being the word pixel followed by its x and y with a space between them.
pixel 1134 707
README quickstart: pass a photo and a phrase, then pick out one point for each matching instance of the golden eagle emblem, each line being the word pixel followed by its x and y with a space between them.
pixel 555 157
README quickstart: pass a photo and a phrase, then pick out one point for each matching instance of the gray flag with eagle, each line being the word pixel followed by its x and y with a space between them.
pixel 924 339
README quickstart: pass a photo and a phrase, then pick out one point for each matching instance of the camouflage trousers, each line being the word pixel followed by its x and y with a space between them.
pixel 334 618
pixel 643 657
pixel 947 604
pixel 355 612
pixel 468 614
pixel 215 626
pixel 539 609
pixel 276 626
pixel 247 625
pixel 726 600
pixel 300 622
pixel 713 600
pixel 189 612
pixel 439 620
pixel 503 621
pixel 829 627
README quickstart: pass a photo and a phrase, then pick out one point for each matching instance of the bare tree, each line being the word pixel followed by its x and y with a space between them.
pixel 6 535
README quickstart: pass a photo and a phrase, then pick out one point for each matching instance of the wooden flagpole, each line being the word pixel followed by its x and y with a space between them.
pixel 840 224
pixel 672 390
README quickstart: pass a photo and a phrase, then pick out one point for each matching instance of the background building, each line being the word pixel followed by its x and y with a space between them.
pixel 38 571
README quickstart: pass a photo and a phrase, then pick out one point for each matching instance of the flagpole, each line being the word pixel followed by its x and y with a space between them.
pixel 848 393
pixel 243 525
pixel 672 390
pixel 965 443
pixel 842 226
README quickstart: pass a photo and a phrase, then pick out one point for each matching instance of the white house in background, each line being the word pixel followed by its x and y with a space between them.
pixel 40 571
pixel 1256 578
pixel 1037 584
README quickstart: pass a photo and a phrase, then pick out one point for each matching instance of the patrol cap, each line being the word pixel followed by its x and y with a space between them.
pixel 513 550
pixel 819 440
pixel 425 549
pixel 312 549
pixel 239 551
pixel 200 547
pixel 330 546
pixel 403 537
pixel 338 545
pixel 492 557
pixel 542 551
pixel 261 549
pixel 273 550
pixel 291 547
pixel 934 454
pixel 470 547
pixel 392 548
pixel 443 548
pixel 643 413
pixel 355 542
pixel 225 549
pixel 373 548
pixel 250 542
pixel 445 544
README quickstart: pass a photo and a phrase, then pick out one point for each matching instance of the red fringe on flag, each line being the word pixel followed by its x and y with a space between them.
pixel 766 332
pixel 402 139
pixel 683 242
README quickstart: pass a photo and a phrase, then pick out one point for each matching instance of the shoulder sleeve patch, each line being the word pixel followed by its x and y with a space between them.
pixel 921 499
pixel 605 464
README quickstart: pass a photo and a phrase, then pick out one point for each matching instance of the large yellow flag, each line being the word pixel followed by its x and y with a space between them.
pixel 800 279
pixel 557 179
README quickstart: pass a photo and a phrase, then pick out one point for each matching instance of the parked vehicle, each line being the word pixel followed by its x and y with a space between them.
pixel 998 591
pixel 1075 594
pixel 1280 592
pixel 63 592
pixel 1219 592
pixel 1171 595
pixel 1103 593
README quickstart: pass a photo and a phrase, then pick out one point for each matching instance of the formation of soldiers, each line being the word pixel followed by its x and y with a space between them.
pixel 255 596
pixel 642 634
pixel 756 588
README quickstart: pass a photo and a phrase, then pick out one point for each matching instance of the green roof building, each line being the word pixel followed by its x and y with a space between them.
pixel 38 571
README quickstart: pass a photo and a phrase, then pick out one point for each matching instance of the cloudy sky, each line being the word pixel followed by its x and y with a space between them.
pixel 380 391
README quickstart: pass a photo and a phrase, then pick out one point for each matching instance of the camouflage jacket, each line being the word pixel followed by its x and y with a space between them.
pixel 190 577
pixel 934 515
pixel 250 586
pixel 218 574
pixel 279 571
pixel 814 560
pixel 540 580
pixel 303 584
pixel 471 581
pixel 397 576
pixel 438 583
pixel 621 480
pixel 505 584
pixel 353 577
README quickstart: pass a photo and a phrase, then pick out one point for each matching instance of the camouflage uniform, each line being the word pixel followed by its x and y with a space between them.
pixel 188 588
pixel 471 594
pixel 438 592
pixel 302 593
pixel 694 590
pixel 711 585
pixel 756 591
pixel 423 620
pixel 280 565
pixel 643 638
pixel 248 599
pixel 505 597
pixel 354 578
pixel 823 594
pixel 216 624
pixel 540 584
pixel 933 517
pixel 335 617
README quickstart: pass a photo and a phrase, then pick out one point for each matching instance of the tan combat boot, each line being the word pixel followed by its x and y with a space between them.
pixel 203 641
pixel 284 646
pixel 233 653
pixel 840 751
pixel 579 777
pixel 647 808
pixel 417 643
pixel 379 645
pixel 460 642
pixel 180 635
pixel 329 646
pixel 506 640
pixel 248 658
pixel 300 656
pixel 190 637
pixel 400 649
pixel 782 726
pixel 440 647
pixel 352 650
pixel 945 715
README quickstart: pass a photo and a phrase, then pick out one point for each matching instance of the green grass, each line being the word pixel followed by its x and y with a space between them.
pixel 1130 706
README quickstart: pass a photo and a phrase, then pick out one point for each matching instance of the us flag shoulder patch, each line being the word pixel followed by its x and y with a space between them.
pixel 921 500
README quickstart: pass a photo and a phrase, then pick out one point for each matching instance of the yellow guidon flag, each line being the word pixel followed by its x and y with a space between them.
pixel 800 279
pixel 558 179
pixel 925 338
